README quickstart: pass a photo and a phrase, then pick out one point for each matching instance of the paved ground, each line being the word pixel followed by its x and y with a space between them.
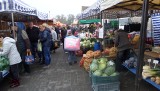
pixel 62 77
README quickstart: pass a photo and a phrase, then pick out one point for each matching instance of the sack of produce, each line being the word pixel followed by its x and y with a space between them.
pixel 87 63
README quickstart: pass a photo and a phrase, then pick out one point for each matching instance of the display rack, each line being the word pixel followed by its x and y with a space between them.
pixel 133 70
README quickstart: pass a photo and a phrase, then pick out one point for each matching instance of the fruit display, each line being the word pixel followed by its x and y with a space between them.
pixel 4 63
pixel 156 79
pixel 111 52
pixel 135 39
pixel 131 62
pixel 103 67
pixel 79 53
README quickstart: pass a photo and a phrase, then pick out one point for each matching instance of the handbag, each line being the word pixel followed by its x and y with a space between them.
pixel 29 59
pixel 56 44
pixel 39 45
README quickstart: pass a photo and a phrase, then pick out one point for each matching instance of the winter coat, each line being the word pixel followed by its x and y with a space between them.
pixel 22 42
pixel 33 34
pixel 122 41
pixel 45 38
pixel 54 35
pixel 10 50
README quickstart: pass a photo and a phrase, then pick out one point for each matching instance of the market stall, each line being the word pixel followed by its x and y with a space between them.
pixel 121 8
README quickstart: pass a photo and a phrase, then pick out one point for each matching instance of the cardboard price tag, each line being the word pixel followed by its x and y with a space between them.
pixel 155 61
pixel 149 60
pixel 84 55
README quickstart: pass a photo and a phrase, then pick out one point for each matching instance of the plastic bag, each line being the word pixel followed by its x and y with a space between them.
pixel 29 59
pixel 72 43
pixel 39 46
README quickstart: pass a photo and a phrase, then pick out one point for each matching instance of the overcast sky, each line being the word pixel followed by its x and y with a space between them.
pixel 58 7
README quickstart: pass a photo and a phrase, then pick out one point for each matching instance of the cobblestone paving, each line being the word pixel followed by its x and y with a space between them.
pixel 62 77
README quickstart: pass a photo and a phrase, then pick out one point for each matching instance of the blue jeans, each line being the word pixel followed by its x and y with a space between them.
pixel 71 56
pixel 47 55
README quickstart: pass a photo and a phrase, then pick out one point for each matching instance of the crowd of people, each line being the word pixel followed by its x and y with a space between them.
pixel 24 41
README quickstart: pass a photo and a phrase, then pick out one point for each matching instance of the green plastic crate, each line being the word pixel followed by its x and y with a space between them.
pixel 102 80
pixel 114 86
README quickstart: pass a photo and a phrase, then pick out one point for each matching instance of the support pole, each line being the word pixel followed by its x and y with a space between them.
pixel 12 15
pixel 142 44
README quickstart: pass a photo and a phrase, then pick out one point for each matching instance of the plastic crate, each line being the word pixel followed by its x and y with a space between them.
pixel 102 80
pixel 114 86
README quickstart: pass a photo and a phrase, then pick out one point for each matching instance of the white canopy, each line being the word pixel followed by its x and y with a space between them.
pixel 109 3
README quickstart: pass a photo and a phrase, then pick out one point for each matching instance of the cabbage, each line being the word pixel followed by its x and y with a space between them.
pixel 104 75
pixel 94 61
pixel 93 67
pixel 110 70
pixel 97 73
pixel 114 74
pixel 103 60
pixel 102 66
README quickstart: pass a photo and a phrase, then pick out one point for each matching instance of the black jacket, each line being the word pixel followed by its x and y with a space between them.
pixel 33 34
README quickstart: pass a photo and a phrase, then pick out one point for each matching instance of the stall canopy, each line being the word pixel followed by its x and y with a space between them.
pixel 131 5
pixel 89 21
pixel 22 11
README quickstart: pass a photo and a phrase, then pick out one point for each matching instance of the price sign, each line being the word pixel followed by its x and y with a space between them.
pixel 84 55
pixel 149 60
pixel 155 61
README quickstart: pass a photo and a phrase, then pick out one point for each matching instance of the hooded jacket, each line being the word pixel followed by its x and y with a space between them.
pixel 10 50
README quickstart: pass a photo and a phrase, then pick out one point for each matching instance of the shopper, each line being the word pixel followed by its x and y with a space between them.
pixel 10 50
pixel 124 46
pixel 54 38
pixel 71 54
pixel 23 45
pixel 63 35
pixel 33 34
pixel 45 40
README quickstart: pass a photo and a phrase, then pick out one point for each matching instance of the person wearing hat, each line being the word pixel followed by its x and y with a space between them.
pixel 23 44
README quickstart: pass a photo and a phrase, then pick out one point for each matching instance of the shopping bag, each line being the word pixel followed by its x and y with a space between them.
pixel 39 45
pixel 56 44
pixel 72 43
pixel 29 59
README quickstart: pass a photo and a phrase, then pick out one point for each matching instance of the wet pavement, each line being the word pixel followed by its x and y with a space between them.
pixel 62 77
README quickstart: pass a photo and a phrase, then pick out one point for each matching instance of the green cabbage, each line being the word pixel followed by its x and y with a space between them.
pixel 97 73
pixel 93 67
pixel 110 70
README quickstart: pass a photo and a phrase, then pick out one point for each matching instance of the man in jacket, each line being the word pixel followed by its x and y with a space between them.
pixel 46 43
pixel 124 46
pixel 33 34
pixel 23 45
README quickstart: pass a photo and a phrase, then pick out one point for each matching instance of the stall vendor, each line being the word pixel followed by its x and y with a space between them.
pixel 123 45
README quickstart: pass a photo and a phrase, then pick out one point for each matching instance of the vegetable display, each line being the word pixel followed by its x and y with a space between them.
pixel 4 63
pixel 103 67
pixel 87 43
